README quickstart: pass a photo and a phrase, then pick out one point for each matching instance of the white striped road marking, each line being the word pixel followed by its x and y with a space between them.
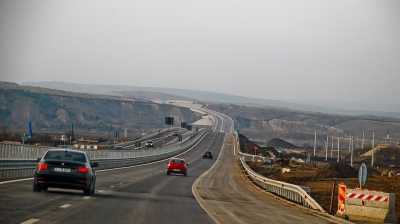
pixel 112 186
pixel 100 191
pixel 86 197
pixel 30 221
pixel 65 206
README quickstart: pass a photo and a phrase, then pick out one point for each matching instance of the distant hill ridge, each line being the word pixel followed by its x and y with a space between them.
pixel 391 110
pixel 55 110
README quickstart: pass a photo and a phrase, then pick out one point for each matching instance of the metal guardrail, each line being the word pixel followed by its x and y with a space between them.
pixel 289 191
pixel 24 167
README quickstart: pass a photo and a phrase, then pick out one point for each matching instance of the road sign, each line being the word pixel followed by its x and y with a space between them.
pixel 255 148
pixel 342 199
pixel 362 175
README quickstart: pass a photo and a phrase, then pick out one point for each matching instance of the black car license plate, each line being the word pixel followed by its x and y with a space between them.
pixel 60 169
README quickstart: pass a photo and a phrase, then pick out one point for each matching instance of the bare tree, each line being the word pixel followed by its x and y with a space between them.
pixel 5 131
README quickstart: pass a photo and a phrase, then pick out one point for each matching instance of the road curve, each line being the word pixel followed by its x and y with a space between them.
pixel 229 197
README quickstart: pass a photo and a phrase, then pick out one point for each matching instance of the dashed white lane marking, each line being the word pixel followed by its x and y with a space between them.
pixel 112 186
pixel 100 191
pixel 121 183
pixel 30 221
pixel 86 197
pixel 65 206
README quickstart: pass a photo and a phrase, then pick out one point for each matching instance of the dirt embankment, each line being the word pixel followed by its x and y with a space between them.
pixel 321 181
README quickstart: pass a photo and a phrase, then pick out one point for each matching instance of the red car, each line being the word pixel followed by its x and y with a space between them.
pixel 177 165
pixel 175 133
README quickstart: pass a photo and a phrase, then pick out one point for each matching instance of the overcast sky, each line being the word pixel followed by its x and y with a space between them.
pixel 280 50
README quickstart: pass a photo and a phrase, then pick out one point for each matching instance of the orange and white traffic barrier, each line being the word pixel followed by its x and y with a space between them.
pixel 367 205
pixel 342 199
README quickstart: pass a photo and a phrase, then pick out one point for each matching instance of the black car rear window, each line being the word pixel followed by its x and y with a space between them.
pixel 66 156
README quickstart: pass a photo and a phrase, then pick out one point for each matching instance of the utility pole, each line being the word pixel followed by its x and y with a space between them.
pixel 315 141
pixel 326 148
pixel 373 148
pixel 362 144
pixel 338 143
pixel 350 143
pixel 352 149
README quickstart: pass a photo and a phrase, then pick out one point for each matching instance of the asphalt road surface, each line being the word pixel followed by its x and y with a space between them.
pixel 145 194
pixel 141 194
pixel 229 197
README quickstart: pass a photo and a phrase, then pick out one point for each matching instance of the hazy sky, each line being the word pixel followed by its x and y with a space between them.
pixel 281 50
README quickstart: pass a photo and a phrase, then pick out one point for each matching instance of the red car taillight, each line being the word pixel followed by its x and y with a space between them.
pixel 42 166
pixel 83 170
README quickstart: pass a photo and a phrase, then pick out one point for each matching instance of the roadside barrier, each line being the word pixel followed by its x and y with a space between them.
pixel 21 162
pixel 371 206
pixel 291 192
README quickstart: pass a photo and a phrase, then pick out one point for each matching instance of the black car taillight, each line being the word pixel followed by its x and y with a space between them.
pixel 83 170
pixel 42 166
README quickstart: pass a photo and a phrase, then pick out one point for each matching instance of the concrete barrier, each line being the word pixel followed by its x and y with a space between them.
pixel 371 206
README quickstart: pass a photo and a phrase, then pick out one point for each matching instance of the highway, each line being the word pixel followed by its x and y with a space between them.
pixel 229 197
pixel 145 194
pixel 141 194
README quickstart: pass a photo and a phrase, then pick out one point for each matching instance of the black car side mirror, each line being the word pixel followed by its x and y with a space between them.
pixel 187 164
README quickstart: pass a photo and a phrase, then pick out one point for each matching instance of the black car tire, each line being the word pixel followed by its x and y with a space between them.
pixel 37 188
pixel 88 191
pixel 185 174
pixel 93 188
pixel 167 173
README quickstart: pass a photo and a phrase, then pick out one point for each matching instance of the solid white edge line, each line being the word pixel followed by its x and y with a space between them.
pixel 199 199
pixel 13 181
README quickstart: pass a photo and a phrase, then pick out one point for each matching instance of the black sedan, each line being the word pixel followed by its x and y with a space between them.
pixel 208 154
pixel 65 168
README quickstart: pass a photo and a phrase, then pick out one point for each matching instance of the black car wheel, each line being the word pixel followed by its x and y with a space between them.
pixel 37 188
pixel 88 191
pixel 93 188
pixel 185 174
pixel 167 173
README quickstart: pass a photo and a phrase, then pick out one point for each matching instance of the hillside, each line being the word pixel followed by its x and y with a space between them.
pixel 345 108
pixel 299 127
pixel 55 110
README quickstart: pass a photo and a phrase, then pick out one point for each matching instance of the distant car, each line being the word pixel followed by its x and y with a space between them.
pixel 207 154
pixel 118 147
pixel 175 133
pixel 149 143
pixel 65 168
pixel 177 165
